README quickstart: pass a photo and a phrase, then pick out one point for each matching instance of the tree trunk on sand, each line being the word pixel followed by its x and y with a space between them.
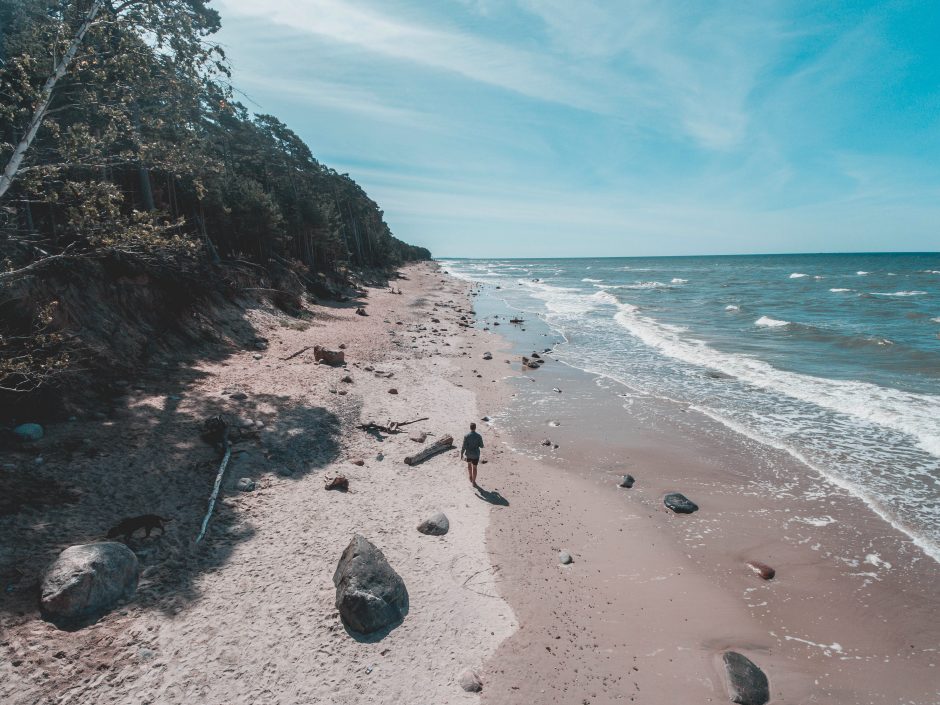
pixel 39 114
pixel 439 446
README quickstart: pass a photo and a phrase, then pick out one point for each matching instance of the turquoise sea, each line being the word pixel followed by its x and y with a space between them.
pixel 833 358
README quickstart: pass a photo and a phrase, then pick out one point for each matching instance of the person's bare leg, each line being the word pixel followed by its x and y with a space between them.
pixel 470 471
pixel 473 475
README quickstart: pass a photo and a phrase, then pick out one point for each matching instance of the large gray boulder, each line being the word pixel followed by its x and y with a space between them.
pixel 370 595
pixel 87 580
pixel 747 683
pixel 437 525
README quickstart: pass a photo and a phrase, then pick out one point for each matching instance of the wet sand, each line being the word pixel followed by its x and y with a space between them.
pixel 653 598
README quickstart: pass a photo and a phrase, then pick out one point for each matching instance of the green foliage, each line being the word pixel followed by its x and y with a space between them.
pixel 144 149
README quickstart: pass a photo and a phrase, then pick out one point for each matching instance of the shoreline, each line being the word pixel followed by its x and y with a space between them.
pixel 643 613
pixel 850 616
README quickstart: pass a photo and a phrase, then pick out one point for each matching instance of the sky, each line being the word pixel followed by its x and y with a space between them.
pixel 562 128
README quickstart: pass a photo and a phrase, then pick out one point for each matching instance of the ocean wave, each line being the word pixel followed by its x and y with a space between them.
pixel 767 322
pixel 798 275
pixel 861 273
pixel 898 293
pixel 909 413
pixel 645 285
pixel 605 297
pixel 677 280
pixel 588 279
pixel 839 291
pixel 732 307
pixel 931 271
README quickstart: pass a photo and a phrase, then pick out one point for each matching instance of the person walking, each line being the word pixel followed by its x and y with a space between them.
pixel 472 443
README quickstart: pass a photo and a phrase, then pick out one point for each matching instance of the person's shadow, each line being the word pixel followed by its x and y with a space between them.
pixel 492 496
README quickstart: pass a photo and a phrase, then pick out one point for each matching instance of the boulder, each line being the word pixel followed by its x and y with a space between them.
pixel 29 432
pixel 347 379
pixel 679 503
pixel 627 481
pixel 565 558
pixel 245 484
pixel 747 684
pixel 88 580
pixel 470 681
pixel 330 357
pixel 762 569
pixel 338 483
pixel 357 461
pixel 487 356
pixel 419 437
pixel 370 595
pixel 393 391
pixel 437 525
pixel 361 312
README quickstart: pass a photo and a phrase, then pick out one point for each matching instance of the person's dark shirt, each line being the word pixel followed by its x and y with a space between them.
pixel 472 443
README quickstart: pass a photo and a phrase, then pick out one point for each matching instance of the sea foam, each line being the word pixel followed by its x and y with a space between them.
pixel 768 322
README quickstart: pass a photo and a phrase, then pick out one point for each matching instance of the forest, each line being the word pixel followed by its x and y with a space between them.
pixel 123 145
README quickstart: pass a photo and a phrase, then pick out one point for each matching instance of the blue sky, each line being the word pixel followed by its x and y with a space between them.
pixel 613 128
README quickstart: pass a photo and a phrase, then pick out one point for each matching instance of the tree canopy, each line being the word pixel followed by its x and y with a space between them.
pixel 142 147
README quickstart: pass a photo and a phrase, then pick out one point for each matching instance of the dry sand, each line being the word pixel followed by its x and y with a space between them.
pixel 254 619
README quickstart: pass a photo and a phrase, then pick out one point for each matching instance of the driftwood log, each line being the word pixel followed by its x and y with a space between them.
pixel 439 446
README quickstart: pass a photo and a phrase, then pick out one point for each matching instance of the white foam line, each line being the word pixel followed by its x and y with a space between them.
pixel 927 547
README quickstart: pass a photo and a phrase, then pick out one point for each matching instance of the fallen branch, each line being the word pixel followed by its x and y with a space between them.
pixel 215 489
pixel 390 427
pixel 291 357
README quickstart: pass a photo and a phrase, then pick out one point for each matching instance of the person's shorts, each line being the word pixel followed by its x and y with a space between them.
pixel 473 461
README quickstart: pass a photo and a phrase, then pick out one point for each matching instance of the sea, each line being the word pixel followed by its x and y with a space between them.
pixel 833 358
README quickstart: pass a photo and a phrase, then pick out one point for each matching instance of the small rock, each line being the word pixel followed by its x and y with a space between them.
pixel 257 356
pixel 470 681
pixel 338 483
pixel 546 442
pixel 29 432
pixel 393 391
pixel 419 437
pixel 357 461
pixel 565 558
pixel 486 419
pixel 329 357
pixel 679 503
pixel 347 379
pixel 245 484
pixel 239 396
pixel 437 525
pixel 342 346
pixel 762 569
pixel 747 683
pixel 487 356
pixel 361 312
pixel 380 456
pixel 627 481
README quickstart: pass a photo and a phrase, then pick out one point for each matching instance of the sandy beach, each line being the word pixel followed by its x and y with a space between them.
pixel 642 614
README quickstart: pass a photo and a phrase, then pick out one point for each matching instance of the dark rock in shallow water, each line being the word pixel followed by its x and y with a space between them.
pixel 627 481
pixel 747 683
pixel 86 581
pixel 437 525
pixel 762 569
pixel 370 595
pixel 679 503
